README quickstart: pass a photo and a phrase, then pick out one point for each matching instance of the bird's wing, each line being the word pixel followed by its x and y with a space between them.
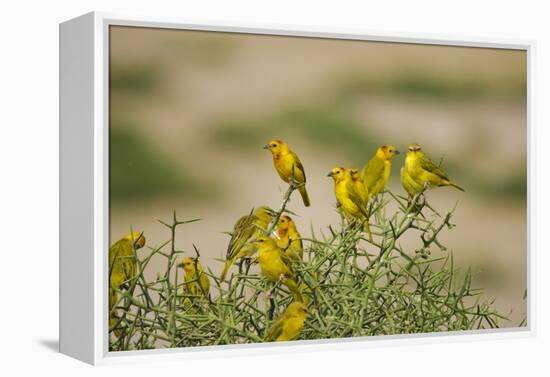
pixel 242 232
pixel 428 165
pixel 353 194
pixel 122 261
pixel 355 197
pixel 276 329
pixel 373 172
pixel 114 251
pixel 205 282
pixel 298 164
pixel 288 262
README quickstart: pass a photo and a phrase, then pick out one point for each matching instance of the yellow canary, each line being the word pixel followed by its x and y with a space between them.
pixel 421 172
pixel 246 229
pixel 348 197
pixel 122 263
pixel 360 187
pixel 289 325
pixel 190 268
pixel 122 269
pixel 376 172
pixel 288 166
pixel 275 265
pixel 409 184
pixel 289 239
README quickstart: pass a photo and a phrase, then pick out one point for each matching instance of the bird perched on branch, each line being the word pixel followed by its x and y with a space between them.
pixel 411 186
pixel 347 196
pixel 419 172
pixel 276 266
pixel 359 186
pixel 289 239
pixel 289 167
pixel 246 229
pixel 122 269
pixel 122 262
pixel 377 171
pixel 290 323
pixel 194 286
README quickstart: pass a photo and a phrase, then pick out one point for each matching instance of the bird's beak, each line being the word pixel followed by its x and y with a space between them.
pixel 331 174
pixel 180 265
pixel 253 241
pixel 396 152
pixel 266 146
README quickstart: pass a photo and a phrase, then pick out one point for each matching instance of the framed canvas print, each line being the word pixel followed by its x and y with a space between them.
pixel 234 189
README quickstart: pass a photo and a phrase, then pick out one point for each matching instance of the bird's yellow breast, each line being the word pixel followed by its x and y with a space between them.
pixel 419 175
pixel 412 167
pixel 285 165
pixel 271 264
pixel 387 171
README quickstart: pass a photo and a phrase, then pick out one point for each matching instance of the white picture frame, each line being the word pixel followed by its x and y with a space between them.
pixel 84 208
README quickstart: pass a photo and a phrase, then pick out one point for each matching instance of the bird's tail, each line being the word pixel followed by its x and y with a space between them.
pixel 304 194
pixel 456 186
pixel 305 289
pixel 366 226
pixel 293 287
pixel 226 267
pixel 367 229
pixel 113 317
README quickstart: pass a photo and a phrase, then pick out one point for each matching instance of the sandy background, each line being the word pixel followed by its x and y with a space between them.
pixel 190 112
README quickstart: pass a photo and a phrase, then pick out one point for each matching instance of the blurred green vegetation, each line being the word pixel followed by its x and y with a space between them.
pixel 138 171
pixel 132 79
pixel 510 186
pixel 513 186
pixel 430 85
pixel 326 125
pixel 332 124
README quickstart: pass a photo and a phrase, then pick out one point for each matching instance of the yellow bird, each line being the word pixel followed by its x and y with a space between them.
pixel 420 172
pixel 289 239
pixel 246 229
pixel 288 166
pixel 122 263
pixel 200 287
pixel 377 171
pixel 289 325
pixel 411 187
pixel 275 265
pixel 360 187
pixel 347 196
pixel 122 269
